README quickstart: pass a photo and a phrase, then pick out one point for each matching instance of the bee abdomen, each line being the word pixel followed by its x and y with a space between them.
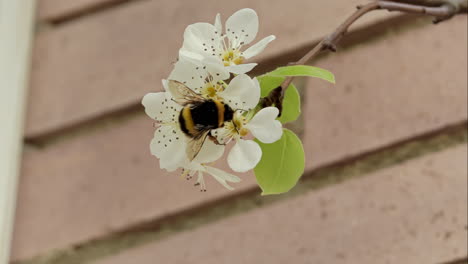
pixel 187 124
pixel 183 126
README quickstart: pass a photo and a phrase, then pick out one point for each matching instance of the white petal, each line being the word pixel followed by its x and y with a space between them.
pixel 244 156
pixel 164 84
pixel 217 24
pixel 210 152
pixel 216 69
pixel 222 177
pixel 264 125
pixel 221 134
pixel 193 73
pixel 189 73
pixel 241 68
pixel 189 55
pixel 242 27
pixel 241 93
pixel 169 146
pixel 203 39
pixel 159 107
pixel 257 47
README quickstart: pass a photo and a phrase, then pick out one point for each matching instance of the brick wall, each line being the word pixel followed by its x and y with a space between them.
pixel 385 181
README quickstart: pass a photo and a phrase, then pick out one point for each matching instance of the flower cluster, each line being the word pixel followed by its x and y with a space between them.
pixel 209 102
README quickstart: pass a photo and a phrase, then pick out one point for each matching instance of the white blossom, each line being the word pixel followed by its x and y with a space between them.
pixel 246 154
pixel 169 142
pixel 208 79
pixel 205 41
pixel 199 169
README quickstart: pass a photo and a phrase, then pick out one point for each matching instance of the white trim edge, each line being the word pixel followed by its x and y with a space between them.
pixel 16 31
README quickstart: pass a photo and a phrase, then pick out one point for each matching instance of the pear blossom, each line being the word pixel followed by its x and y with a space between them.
pixel 209 153
pixel 205 41
pixel 169 140
pixel 208 80
pixel 205 78
pixel 221 176
pixel 246 153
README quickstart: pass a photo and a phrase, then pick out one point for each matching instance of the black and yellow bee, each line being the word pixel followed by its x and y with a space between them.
pixel 198 116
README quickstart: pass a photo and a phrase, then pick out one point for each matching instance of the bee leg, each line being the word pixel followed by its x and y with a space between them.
pixel 215 140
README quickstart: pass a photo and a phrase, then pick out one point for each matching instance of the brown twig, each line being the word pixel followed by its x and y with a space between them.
pixel 440 9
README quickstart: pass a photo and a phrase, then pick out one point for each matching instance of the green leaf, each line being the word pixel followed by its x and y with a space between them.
pixel 291 105
pixel 282 164
pixel 303 70
pixel 268 83
pixel 291 101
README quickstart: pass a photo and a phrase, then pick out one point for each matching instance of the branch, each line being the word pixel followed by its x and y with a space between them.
pixel 440 9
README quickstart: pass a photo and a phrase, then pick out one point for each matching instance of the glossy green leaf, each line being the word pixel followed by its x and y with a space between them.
pixel 291 105
pixel 291 101
pixel 303 70
pixel 282 164
pixel 268 83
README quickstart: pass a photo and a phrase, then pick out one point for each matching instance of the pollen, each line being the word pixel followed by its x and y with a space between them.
pixel 237 127
pixel 211 90
pixel 232 56
pixel 243 132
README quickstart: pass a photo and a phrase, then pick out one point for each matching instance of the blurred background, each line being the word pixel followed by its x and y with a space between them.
pixel 386 170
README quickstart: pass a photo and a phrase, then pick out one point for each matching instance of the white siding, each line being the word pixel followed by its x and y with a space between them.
pixel 16 29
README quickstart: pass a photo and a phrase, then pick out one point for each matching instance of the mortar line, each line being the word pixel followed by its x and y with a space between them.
pixel 463 260
pixel 87 11
pixel 333 173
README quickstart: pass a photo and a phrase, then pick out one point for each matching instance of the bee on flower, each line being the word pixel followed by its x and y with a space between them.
pixel 208 101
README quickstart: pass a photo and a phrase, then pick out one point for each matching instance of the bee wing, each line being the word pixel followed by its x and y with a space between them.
pixel 182 94
pixel 195 144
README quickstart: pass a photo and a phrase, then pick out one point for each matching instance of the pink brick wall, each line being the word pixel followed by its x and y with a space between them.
pixel 87 173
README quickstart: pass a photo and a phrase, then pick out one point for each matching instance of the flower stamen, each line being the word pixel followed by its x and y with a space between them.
pixel 211 90
pixel 232 56
pixel 201 182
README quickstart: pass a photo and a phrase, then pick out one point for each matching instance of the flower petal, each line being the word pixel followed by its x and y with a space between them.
pixel 221 134
pixel 169 146
pixel 244 156
pixel 159 107
pixel 257 47
pixel 216 69
pixel 241 93
pixel 242 27
pixel 241 68
pixel 222 176
pixel 210 152
pixel 264 125
pixel 217 24
pixel 188 73
pixel 203 39
pixel 189 55
pixel 193 73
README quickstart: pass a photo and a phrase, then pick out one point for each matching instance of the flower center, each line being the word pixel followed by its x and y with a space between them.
pixel 232 56
pixel 237 126
pixel 211 90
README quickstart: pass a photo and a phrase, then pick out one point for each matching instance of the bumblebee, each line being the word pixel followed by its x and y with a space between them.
pixel 198 116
